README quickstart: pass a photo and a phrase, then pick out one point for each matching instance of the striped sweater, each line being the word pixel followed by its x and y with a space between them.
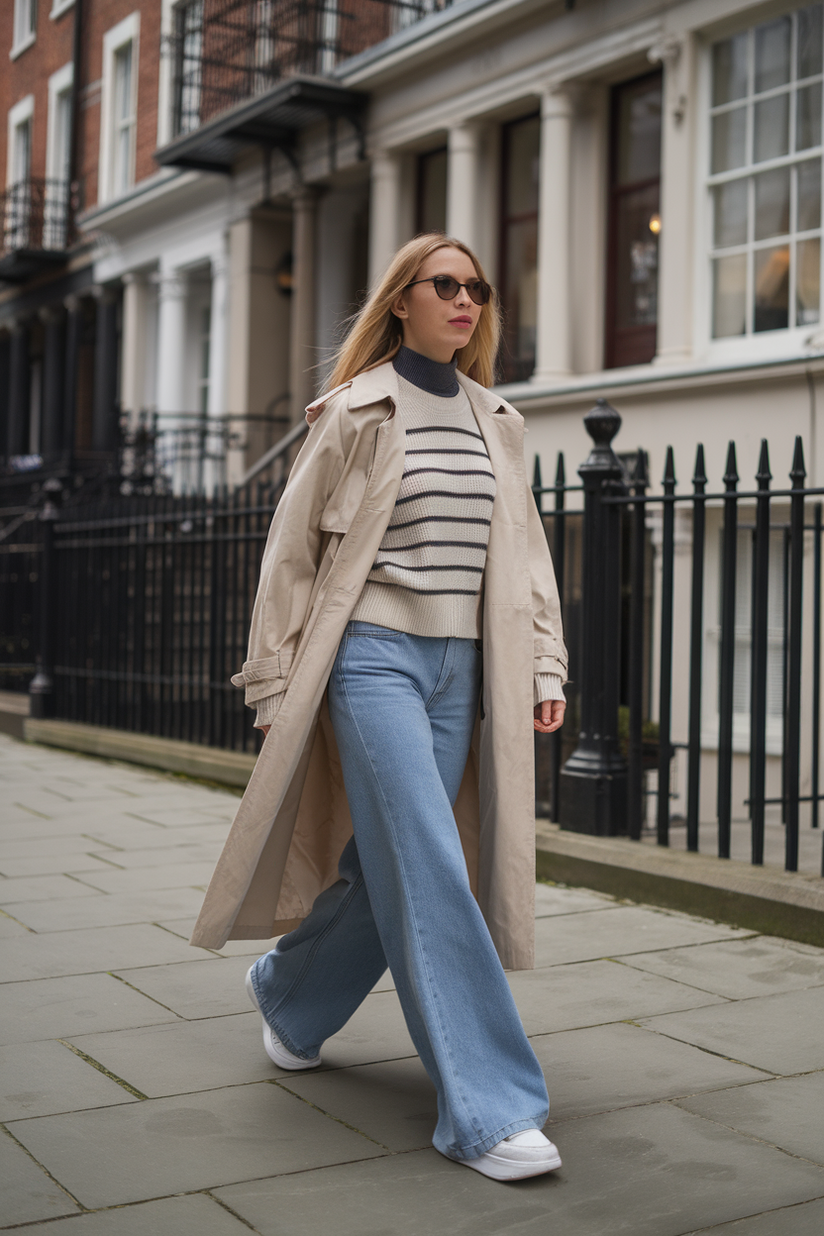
pixel 428 574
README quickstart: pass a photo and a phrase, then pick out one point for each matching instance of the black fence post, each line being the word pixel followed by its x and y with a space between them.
pixel 635 751
pixel 41 687
pixel 727 666
pixel 665 656
pixel 758 670
pixel 699 524
pixel 792 731
pixel 593 795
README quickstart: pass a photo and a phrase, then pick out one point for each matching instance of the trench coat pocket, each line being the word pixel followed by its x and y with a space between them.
pixel 266 676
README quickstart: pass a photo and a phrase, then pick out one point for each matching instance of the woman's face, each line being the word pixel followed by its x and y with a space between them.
pixel 433 327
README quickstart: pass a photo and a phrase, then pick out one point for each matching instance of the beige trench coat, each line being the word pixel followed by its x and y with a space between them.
pixel 293 820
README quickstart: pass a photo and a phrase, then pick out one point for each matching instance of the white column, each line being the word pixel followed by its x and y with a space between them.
pixel 303 354
pixel 463 183
pixel 218 331
pixel 554 337
pixel 384 212
pixel 134 345
pixel 675 243
pixel 171 361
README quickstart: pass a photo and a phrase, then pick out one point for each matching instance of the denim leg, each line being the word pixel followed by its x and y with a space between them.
pixel 313 981
pixel 403 708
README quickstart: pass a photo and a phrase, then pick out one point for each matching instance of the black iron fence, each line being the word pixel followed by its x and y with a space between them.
pixel 36 215
pixel 693 621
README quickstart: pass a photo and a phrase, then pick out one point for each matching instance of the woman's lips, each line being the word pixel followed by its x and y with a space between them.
pixel 461 321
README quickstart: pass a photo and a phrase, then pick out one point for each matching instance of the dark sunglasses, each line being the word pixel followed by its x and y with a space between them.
pixel 448 288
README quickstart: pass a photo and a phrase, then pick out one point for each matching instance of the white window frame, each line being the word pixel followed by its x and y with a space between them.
pixel 19 114
pixel 126 31
pixel 57 166
pixel 774 344
pixel 59 7
pixel 25 27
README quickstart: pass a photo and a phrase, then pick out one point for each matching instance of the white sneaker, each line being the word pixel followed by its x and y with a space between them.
pixel 275 1050
pixel 518 1156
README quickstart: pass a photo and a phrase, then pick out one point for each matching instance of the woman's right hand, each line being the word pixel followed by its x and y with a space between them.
pixel 265 728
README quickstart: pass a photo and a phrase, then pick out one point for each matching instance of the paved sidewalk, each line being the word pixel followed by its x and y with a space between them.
pixel 685 1060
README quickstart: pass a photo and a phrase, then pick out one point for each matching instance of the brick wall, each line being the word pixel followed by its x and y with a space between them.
pixel 29 74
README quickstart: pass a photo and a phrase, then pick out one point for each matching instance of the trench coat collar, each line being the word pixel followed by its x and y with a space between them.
pixel 382 383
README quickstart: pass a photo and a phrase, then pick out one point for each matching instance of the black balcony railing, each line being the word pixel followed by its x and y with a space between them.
pixel 36 215
pixel 226 51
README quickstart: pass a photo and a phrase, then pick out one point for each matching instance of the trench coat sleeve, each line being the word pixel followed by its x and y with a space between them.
pixel 292 556
pixel 549 649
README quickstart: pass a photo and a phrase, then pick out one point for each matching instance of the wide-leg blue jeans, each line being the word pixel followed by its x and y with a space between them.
pixel 403 709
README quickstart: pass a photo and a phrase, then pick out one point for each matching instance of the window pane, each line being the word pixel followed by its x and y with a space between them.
pixel 729 296
pixel 639 131
pixel 771 128
pixel 772 203
pixel 520 294
pixel 772 54
pixel 729 70
pixel 432 192
pixel 808 117
pixel 772 272
pixel 808 259
pixel 809 41
pixel 729 137
pixel 637 259
pixel 809 195
pixel 730 213
pixel 123 82
pixel 524 145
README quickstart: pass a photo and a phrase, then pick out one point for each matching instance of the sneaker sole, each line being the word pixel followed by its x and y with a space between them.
pixel 504 1169
pixel 277 1053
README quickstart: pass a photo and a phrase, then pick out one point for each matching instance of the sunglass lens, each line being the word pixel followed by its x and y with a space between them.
pixel 478 291
pixel 446 286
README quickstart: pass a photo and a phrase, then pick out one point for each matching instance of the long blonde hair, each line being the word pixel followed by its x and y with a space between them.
pixel 377 334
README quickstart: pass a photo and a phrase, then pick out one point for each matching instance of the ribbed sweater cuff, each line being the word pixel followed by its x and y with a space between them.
pixel 267 709
pixel 548 687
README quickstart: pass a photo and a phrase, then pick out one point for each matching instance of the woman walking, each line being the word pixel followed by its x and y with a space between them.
pixel 406 639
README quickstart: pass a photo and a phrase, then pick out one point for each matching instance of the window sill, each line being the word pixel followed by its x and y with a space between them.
pixel 59 7
pixel 26 43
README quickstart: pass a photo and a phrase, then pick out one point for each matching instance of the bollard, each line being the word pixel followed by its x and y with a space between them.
pixel 593 796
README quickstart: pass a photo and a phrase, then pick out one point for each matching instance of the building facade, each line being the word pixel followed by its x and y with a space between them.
pixel 198 194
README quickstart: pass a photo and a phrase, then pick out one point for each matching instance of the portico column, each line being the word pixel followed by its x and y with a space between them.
pixel 18 389
pixel 74 335
pixel 104 407
pixel 463 183
pixel 384 211
pixel 218 328
pixel 54 355
pixel 675 248
pixel 171 297
pixel 554 337
pixel 134 344
pixel 303 353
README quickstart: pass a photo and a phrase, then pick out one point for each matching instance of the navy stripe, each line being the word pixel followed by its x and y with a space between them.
pixel 446 429
pixel 401 566
pixel 446 450
pixel 445 493
pixel 404 549
pixel 449 472
pixel 434 592
pixel 441 519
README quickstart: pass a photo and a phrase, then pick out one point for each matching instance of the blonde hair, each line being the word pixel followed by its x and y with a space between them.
pixel 377 334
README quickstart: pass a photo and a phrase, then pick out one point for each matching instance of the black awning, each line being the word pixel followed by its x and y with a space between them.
pixel 270 120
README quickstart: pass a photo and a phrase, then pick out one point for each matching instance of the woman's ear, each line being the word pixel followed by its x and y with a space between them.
pixel 398 307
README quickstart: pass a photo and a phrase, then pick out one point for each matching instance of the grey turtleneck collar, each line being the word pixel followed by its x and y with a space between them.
pixel 429 375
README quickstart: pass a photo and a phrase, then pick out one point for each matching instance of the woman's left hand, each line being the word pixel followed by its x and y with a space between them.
pixel 549 716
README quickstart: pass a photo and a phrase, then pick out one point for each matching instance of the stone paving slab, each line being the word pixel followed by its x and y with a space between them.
pixel 171 850
pixel 43 888
pixel 192 989
pixel 195 1215
pixel 636 1172
pixel 162 1146
pixel 781 1034
pixel 621 930
pixel 69 915
pixel 28 1195
pixel 55 1008
pixel 551 900
pixel 41 1079
pixel 738 968
pixel 805 1219
pixel 33 956
pixel 150 879
pixel 788 1112
pixel 592 993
